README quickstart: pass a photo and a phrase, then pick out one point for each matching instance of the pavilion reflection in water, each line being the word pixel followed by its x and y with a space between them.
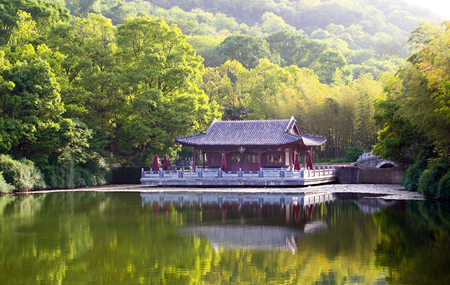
pixel 303 199
pixel 253 236
pixel 296 209
pixel 280 236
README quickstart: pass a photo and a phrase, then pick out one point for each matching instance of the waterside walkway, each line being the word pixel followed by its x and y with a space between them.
pixel 263 177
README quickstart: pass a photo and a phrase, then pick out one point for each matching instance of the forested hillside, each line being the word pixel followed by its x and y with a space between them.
pixel 86 84
pixel 371 34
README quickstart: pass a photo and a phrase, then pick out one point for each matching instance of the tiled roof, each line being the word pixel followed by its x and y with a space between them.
pixel 241 133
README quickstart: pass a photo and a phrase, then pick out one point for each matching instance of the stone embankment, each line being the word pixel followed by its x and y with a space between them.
pixel 357 175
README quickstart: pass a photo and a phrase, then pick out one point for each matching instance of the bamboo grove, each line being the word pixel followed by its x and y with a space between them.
pixel 340 111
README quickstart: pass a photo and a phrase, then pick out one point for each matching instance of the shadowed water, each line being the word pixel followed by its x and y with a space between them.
pixel 133 238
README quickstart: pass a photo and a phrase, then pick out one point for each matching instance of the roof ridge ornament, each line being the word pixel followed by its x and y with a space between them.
pixel 289 127
pixel 212 124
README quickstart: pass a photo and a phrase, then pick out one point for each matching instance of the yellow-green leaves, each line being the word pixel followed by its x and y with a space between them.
pixel 159 73
pixel 341 112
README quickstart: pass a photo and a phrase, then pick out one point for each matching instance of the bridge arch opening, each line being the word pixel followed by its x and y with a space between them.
pixel 387 165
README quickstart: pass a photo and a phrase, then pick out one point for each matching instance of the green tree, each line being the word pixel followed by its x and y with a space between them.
pixel 327 64
pixel 412 116
pixel 222 22
pixel 207 47
pixel 89 75
pixel 431 63
pixel 390 44
pixel 367 90
pixel 396 136
pixel 273 23
pixel 80 8
pixel 160 73
pixel 247 50
pixel 31 124
pixel 294 48
pixel 268 79
pixel 45 13
pixel 228 85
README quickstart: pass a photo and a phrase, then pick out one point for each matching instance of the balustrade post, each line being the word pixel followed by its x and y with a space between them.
pixel 200 173
pixel 142 173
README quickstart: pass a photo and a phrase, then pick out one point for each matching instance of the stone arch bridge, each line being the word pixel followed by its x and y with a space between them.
pixel 367 160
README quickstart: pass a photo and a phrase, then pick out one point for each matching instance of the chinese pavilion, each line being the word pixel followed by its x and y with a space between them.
pixel 251 145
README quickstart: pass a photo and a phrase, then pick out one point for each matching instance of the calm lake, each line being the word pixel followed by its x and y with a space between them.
pixel 185 238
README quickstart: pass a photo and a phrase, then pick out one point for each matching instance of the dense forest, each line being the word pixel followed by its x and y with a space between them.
pixel 89 84
pixel 370 35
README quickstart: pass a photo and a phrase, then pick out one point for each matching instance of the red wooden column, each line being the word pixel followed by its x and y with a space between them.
pixel 309 152
pixel 195 154
pixel 203 160
pixel 304 158
pixel 291 155
pixel 259 160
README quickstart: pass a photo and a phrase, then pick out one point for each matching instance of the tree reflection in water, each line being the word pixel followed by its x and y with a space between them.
pixel 94 238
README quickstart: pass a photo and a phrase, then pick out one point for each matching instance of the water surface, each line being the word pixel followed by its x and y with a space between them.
pixel 133 238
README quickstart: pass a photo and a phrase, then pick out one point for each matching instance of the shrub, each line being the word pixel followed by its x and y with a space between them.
pixel 59 175
pixel 4 186
pixel 68 175
pixel 427 184
pixel 96 171
pixel 429 179
pixel 79 177
pixel 444 187
pixel 22 175
pixel 353 153
pixel 412 175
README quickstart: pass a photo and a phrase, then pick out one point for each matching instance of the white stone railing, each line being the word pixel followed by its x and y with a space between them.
pixel 318 171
